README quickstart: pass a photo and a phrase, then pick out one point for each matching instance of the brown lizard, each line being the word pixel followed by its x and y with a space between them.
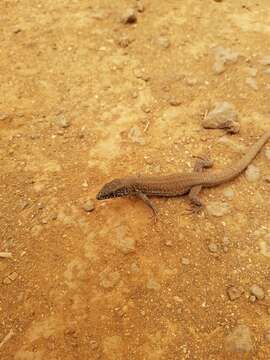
pixel 180 183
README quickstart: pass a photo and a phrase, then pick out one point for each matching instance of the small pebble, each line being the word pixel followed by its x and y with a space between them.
pixel 5 255
pixel 152 284
pixel 62 121
pixel 3 116
pixel 7 281
pixel 252 298
pixel 140 6
pixel 134 268
pixel 136 136
pixel 35 136
pixel 217 208
pixel 264 245
pixel 252 173
pixel 89 206
pixel 129 16
pixel 213 247
pixel 124 42
pixel 126 244
pixel 169 243
pixel 222 57
pixel 93 344
pixel 191 81
pixel 185 261
pixel 229 193
pixel 225 241
pixel 163 42
pixel 222 116
pixel 257 291
pixel 175 102
pixel 234 292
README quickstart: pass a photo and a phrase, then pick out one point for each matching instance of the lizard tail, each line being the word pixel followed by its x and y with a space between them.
pixel 233 171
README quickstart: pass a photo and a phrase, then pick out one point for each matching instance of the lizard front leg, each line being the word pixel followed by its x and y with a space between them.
pixel 147 201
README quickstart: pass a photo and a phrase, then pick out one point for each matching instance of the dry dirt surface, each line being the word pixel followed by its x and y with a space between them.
pixel 95 90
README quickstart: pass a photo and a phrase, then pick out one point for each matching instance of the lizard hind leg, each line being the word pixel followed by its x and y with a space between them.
pixel 147 201
pixel 203 162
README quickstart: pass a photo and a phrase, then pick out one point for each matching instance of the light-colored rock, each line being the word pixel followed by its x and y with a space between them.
pixel 109 279
pixel 239 340
pixel 229 193
pixel 134 268
pixel 185 261
pixel 257 291
pixel 89 206
pixel 152 284
pixel 62 121
pixel 264 244
pixel 252 173
pixel 223 116
pixel 234 292
pixel 136 136
pixel 6 281
pixel 213 248
pixel 124 41
pixel 163 42
pixel 140 6
pixel 222 58
pixel 217 208
pixel 175 101
pixel 3 116
pixel 124 241
pixel 191 81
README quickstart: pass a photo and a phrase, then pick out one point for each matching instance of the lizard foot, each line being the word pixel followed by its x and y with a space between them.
pixel 195 209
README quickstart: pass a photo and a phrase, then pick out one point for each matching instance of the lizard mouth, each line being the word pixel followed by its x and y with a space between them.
pixel 102 196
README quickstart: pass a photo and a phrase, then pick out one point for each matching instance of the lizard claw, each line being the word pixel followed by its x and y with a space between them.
pixel 195 209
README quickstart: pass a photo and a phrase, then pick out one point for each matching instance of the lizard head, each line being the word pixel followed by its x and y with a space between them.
pixel 114 188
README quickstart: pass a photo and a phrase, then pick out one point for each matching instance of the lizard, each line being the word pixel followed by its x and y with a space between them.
pixel 179 184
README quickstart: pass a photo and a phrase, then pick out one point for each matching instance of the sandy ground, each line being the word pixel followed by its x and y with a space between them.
pixel 85 98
